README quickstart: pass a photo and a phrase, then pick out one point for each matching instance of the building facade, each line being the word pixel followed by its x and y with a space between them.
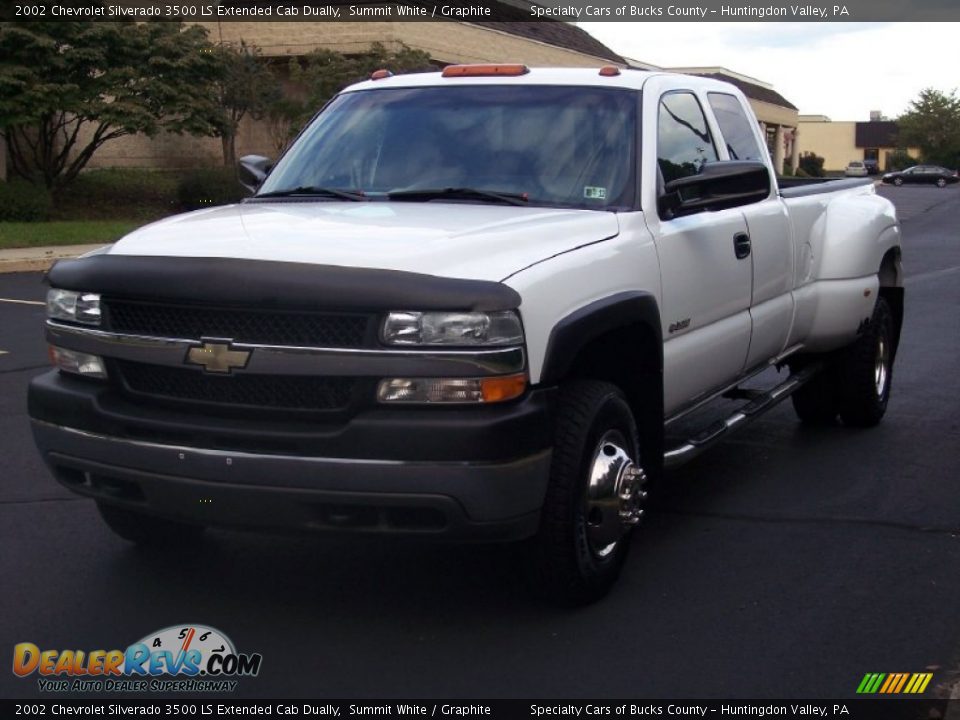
pixel 839 142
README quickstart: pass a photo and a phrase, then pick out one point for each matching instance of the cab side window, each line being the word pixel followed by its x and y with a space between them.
pixel 736 128
pixel 684 143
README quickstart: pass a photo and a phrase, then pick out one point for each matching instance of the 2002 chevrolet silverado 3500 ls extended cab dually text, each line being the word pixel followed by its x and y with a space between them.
pixel 468 305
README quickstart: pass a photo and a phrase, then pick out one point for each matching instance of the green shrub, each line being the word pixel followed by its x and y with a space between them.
pixel 900 160
pixel 811 164
pixel 801 173
pixel 109 193
pixel 24 201
pixel 208 187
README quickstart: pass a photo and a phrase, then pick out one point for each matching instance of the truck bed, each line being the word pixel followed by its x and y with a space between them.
pixel 799 187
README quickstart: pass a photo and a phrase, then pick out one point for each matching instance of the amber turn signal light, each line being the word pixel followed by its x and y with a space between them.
pixel 499 389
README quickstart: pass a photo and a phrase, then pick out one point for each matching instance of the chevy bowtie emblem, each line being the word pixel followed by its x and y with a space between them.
pixel 218 357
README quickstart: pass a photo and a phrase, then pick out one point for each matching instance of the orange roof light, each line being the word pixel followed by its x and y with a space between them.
pixel 484 70
pixel 609 71
pixel 380 74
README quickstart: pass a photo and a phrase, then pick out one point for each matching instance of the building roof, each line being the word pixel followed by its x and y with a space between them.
pixel 753 90
pixel 552 32
pixel 876 134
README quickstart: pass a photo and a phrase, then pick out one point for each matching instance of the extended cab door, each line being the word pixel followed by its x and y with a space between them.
pixel 768 225
pixel 705 301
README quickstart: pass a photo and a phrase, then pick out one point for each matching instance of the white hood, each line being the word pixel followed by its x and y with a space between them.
pixel 482 242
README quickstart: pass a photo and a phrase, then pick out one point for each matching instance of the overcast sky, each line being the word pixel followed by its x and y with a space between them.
pixel 842 70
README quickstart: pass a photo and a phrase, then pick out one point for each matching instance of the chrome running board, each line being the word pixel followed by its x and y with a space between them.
pixel 760 402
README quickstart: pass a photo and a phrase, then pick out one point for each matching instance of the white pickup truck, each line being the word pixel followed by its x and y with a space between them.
pixel 466 305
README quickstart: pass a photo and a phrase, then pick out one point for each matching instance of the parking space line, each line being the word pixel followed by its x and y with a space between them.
pixel 22 302
pixel 930 275
pixel 4 352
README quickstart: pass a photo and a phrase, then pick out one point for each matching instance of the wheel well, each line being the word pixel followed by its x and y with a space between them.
pixel 629 358
pixel 891 290
pixel 891 271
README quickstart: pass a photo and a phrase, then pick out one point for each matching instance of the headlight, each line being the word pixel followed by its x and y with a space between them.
pixel 452 390
pixel 73 306
pixel 452 328
pixel 78 363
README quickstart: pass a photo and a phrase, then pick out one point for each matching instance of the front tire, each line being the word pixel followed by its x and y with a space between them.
pixel 898 181
pixel 594 496
pixel 146 530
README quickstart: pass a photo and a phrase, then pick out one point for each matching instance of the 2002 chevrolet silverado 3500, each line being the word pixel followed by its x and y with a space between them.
pixel 467 305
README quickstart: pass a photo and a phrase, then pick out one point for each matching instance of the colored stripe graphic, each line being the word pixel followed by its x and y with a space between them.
pixel 901 682
pixel 894 683
pixel 870 683
pixel 862 687
pixel 891 687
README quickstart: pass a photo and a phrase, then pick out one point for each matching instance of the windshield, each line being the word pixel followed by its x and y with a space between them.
pixel 550 145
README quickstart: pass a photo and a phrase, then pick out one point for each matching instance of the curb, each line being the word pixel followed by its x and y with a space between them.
pixel 39 259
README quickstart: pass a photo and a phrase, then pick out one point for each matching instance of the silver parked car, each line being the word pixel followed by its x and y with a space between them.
pixel 856 169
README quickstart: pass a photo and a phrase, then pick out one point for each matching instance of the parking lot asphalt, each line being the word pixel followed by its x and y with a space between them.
pixel 786 562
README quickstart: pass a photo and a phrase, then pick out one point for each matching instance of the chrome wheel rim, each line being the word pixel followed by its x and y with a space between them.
pixel 881 372
pixel 615 494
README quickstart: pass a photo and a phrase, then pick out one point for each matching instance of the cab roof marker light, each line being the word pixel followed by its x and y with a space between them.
pixel 507 69
pixel 380 74
pixel 609 71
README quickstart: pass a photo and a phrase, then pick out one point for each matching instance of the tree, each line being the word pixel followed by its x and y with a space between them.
pixel 811 164
pixel 246 87
pixel 323 73
pixel 281 120
pixel 932 123
pixel 66 88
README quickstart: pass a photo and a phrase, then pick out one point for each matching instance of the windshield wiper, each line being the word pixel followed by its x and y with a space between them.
pixel 460 193
pixel 314 191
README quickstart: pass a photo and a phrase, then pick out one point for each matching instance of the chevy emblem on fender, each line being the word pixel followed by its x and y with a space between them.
pixel 218 357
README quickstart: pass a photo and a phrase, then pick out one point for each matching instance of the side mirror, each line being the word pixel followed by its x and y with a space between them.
pixel 719 185
pixel 253 170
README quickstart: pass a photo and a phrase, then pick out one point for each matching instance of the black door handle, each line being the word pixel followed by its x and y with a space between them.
pixel 741 245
